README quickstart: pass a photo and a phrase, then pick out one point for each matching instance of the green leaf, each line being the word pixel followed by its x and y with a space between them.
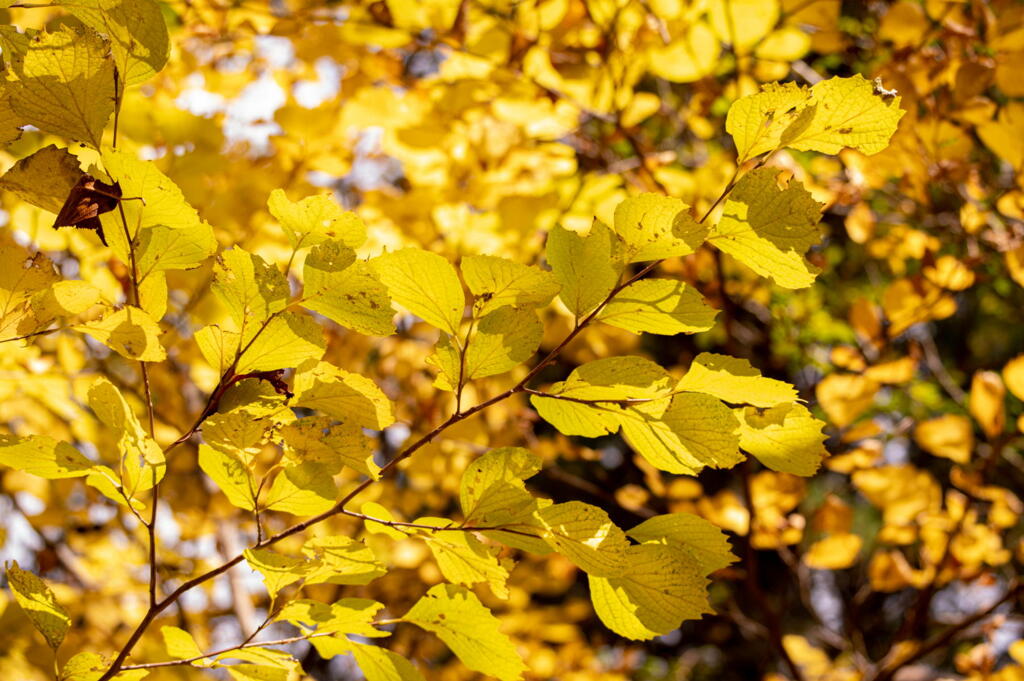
pixel 39 603
pixel 180 645
pixel 497 282
pixel 345 291
pixel 230 473
pixel 785 438
pixel 287 340
pixel 770 229
pixel 653 227
pixel 250 288
pixel 587 267
pixel 343 395
pixel 425 284
pixel 585 535
pixel 341 560
pixel 503 339
pixel 43 456
pixel 65 84
pixel 130 331
pixel 662 306
pixel 458 618
pixel 733 380
pixel 136 31
pixel 303 489
pixel 43 179
pixel 660 590
pixel 700 539
pixel 464 559
pixel 316 219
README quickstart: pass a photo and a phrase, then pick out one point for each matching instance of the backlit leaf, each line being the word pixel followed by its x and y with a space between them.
pixel 733 380
pixel 469 629
pixel 425 284
pixel 343 395
pixel 770 229
pixel 39 604
pixel 587 267
pixel 316 219
pixel 346 291
pixel 497 282
pixel 131 332
pixel 662 306
pixel 655 227
pixel 785 438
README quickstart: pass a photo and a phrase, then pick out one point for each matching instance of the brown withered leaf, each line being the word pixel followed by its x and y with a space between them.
pixel 88 199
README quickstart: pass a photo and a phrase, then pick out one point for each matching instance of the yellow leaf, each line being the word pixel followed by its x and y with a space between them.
pixel 733 380
pixel 343 395
pixel 341 560
pixel 464 559
pixel 659 590
pixel 287 340
pixel 346 616
pixel 380 664
pixel 586 536
pixel 163 206
pixel 987 402
pixel 503 339
pixel 843 113
pixel 469 629
pixel 230 473
pixel 785 438
pixel 345 291
pixel 688 58
pixel 180 645
pixel 425 284
pixel 22 276
pixel 304 489
pixel 1003 136
pixel 39 604
pixel 702 541
pixel 64 299
pixel 250 288
pixel 662 306
pixel 950 436
pixel 492 493
pixel 786 44
pixel 218 346
pixel 374 510
pixel 447 359
pixel 65 84
pixel 757 122
pixel 835 552
pixel 653 227
pixel 278 570
pixel 844 397
pixel 743 23
pixel 770 229
pixel 1013 375
pixel 316 219
pixel 142 463
pixel 43 179
pixel 136 31
pixel 685 434
pixel 587 267
pixel 333 444
pixel 497 282
pixel 131 332
pixel 949 273
pixel 909 302
pixel 43 456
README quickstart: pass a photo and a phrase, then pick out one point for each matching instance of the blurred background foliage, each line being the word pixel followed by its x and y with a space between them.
pixel 474 127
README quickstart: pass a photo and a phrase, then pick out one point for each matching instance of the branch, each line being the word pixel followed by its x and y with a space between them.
pixel 339 508
pixel 888 671
pixel 213 653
